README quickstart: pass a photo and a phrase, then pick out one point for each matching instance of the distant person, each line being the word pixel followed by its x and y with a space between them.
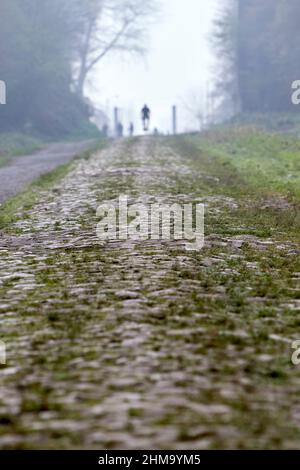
pixel 105 130
pixel 146 113
pixel 131 129
pixel 155 132
pixel 120 129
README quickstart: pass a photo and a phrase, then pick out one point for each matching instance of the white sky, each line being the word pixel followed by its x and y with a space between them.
pixel 176 68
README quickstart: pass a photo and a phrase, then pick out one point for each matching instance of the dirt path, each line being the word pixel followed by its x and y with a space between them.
pixel 143 344
pixel 22 170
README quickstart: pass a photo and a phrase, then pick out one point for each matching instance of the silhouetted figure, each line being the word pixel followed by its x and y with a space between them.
pixel 131 129
pixel 155 132
pixel 146 113
pixel 105 130
pixel 120 129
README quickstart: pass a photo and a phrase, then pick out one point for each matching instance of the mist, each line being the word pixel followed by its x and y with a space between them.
pixel 149 232
pixel 178 64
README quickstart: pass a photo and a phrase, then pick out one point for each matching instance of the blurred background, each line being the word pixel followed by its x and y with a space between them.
pixel 176 70
pixel 74 68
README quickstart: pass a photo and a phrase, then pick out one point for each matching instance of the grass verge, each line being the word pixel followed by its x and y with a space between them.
pixel 265 160
pixel 257 170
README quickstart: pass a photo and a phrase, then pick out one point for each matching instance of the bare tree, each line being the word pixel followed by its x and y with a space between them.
pixel 111 25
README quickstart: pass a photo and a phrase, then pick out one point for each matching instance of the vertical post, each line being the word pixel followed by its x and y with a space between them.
pixel 116 120
pixel 2 92
pixel 174 119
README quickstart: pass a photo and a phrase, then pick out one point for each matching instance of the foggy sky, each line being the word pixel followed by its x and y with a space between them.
pixel 177 65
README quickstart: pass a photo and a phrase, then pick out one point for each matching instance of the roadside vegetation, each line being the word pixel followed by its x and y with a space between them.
pixel 287 123
pixel 12 144
pixel 266 160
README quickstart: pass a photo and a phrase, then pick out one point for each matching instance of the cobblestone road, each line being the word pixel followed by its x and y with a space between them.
pixel 142 344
